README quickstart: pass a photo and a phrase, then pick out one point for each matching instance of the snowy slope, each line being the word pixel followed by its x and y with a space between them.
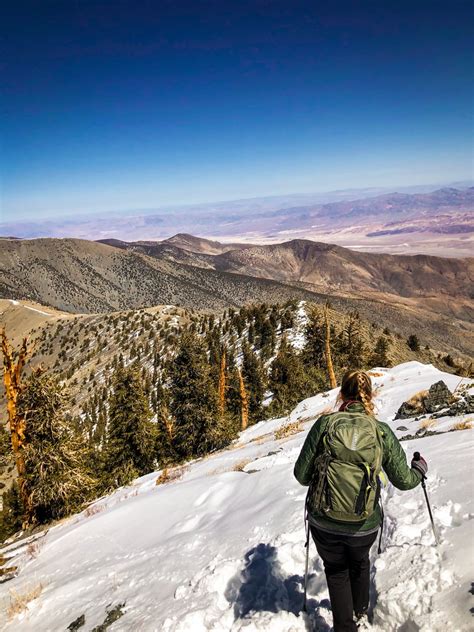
pixel 221 548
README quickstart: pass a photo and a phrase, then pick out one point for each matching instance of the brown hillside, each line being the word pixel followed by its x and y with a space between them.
pixel 333 267
pixel 88 277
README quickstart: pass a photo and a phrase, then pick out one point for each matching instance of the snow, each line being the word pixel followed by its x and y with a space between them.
pixel 33 309
pixel 221 548
pixel 296 335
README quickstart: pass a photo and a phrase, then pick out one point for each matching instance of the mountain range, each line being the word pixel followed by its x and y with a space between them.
pixel 319 266
pixel 432 296
pixel 438 222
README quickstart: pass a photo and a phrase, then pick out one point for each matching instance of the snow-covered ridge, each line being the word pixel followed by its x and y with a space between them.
pixel 221 547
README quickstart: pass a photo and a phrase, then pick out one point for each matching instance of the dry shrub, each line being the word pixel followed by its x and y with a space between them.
pixel 417 399
pixel 262 438
pixel 5 570
pixel 240 466
pixel 428 423
pixel 375 374
pixel 217 470
pixel 19 601
pixel 168 475
pixel 465 424
pixel 288 429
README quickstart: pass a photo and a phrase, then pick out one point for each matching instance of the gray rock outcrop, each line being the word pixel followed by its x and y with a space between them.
pixel 439 397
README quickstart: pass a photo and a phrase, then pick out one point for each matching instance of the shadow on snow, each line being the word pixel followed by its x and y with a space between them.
pixel 262 587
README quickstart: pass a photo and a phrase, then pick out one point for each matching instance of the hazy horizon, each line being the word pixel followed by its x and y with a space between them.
pixel 163 104
pixel 313 197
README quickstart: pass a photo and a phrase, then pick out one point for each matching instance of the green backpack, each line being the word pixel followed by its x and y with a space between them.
pixel 346 483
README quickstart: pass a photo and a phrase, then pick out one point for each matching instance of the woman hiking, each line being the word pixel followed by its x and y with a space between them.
pixel 341 461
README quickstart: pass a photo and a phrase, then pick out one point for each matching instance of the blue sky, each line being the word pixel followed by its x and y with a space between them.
pixel 116 105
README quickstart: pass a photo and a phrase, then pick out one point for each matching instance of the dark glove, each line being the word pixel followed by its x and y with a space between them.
pixel 419 463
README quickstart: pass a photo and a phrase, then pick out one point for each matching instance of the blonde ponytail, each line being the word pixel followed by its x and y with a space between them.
pixel 365 392
pixel 357 385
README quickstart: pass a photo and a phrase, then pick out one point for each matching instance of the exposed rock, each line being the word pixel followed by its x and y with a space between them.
pixel 438 401
pixel 439 396
pixel 77 623
pixel 402 428
pixel 463 406
pixel 407 410
pixel 112 616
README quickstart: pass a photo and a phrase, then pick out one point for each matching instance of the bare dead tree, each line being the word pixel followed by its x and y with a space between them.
pixel 327 348
pixel 12 373
pixel 244 403
pixel 222 384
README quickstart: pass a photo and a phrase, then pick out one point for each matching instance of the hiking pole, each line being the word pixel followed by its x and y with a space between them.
pixel 307 562
pixel 416 457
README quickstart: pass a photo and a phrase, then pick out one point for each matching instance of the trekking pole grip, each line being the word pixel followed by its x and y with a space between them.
pixel 417 457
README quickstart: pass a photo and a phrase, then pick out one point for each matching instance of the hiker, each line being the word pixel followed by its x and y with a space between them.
pixel 341 461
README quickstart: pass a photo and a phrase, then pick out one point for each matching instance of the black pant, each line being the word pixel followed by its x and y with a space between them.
pixel 347 568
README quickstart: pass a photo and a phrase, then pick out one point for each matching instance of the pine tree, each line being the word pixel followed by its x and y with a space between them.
pixel 194 403
pixel 288 379
pixel 130 450
pixel 255 378
pixel 56 482
pixel 214 350
pixel 222 383
pixel 251 334
pixel 267 339
pixel 11 514
pixel 379 356
pixel 287 319
pixel 232 396
pixel 165 433
pixel 413 342
pixel 313 352
pixel 349 347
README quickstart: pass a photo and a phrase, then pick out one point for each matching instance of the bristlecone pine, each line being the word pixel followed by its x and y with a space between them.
pixel 56 482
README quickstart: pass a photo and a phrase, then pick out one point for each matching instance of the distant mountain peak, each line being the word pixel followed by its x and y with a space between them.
pixel 200 245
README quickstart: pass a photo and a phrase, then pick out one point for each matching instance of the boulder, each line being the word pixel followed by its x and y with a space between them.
pixel 463 406
pixel 406 411
pixel 439 397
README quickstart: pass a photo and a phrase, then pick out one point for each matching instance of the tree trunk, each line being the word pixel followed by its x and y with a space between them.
pixel 168 423
pixel 12 381
pixel 244 403
pixel 327 349
pixel 222 385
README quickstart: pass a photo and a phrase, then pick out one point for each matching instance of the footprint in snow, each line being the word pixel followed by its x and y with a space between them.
pixel 407 575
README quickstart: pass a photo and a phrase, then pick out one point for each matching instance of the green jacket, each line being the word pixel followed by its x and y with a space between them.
pixel 394 464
